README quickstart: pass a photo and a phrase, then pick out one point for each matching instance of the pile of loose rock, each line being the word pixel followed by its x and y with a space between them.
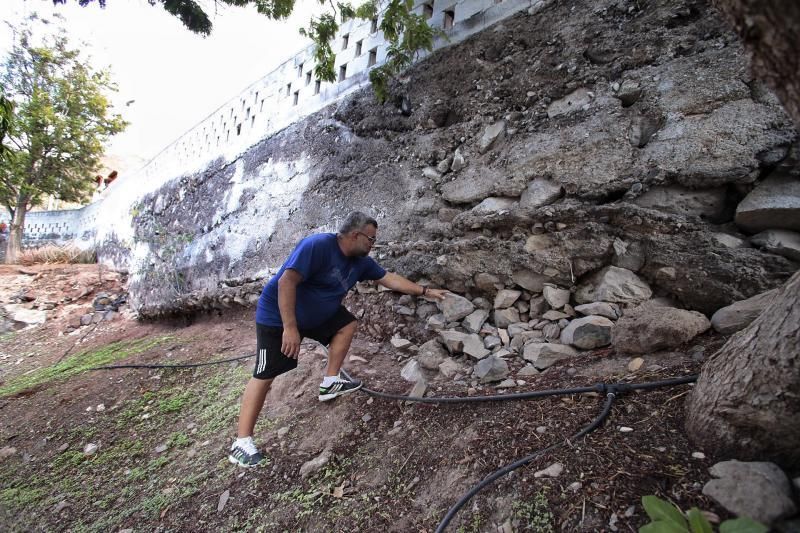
pixel 105 307
pixel 477 338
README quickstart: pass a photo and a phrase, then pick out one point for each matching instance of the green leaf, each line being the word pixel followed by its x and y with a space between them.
pixel 662 511
pixel 698 523
pixel 742 525
pixel 661 527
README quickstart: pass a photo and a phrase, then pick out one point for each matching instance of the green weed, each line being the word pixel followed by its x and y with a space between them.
pixel 79 363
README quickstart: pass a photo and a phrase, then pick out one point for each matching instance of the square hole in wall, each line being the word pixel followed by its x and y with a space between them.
pixel 296 97
pixel 358 47
pixel 449 18
pixel 374 25
pixel 373 57
pixel 343 72
pixel 288 89
pixel 317 85
pixel 238 129
pixel 345 41
pixel 308 78
pixel 299 70
pixel 427 10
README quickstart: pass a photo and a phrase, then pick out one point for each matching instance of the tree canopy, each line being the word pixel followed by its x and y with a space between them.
pixel 406 33
pixel 60 122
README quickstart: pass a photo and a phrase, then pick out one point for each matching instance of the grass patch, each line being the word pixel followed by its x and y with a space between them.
pixel 81 362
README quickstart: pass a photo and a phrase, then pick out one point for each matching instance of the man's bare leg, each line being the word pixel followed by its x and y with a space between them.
pixel 340 344
pixel 252 402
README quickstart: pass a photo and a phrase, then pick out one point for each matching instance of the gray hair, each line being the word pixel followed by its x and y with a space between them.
pixel 355 221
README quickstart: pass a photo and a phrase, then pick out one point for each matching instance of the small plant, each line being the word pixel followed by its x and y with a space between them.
pixel 667 518
pixel 534 515
pixel 55 254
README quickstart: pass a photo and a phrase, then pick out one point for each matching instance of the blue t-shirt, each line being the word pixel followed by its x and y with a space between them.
pixel 327 276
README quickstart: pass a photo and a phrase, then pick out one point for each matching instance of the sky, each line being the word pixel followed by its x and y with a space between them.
pixel 169 79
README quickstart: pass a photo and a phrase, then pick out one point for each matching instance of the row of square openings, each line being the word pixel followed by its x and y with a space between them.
pixel 371 61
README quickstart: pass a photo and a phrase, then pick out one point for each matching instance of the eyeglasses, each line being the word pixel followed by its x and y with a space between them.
pixel 370 239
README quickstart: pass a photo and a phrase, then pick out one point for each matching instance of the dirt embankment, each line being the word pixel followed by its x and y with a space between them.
pixel 145 449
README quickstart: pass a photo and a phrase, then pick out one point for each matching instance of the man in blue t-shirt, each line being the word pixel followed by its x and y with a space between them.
pixel 304 299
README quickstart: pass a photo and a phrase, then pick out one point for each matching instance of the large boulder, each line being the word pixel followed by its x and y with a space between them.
pixel 773 204
pixel 431 355
pixel 648 328
pixel 613 284
pixel 738 315
pixel 474 321
pixel 588 333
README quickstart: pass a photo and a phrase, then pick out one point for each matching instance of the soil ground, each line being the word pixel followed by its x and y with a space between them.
pixel 162 435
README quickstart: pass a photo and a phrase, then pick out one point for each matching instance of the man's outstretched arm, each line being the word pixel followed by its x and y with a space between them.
pixel 398 283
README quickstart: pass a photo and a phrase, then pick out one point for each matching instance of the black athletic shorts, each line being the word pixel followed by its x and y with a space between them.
pixel 270 361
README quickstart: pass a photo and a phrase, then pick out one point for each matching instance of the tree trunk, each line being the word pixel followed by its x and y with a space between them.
pixel 770 31
pixel 14 244
pixel 746 404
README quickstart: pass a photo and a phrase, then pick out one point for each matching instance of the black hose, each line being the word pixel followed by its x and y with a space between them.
pixel 180 365
pixel 525 460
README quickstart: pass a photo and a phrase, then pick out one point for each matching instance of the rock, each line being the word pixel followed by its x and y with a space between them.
pixel 453 340
pixel 426 310
pixel 575 486
pixel 635 364
pixel 494 205
pixel 474 321
pixel 399 343
pixel 708 204
pixel 530 280
pixel 554 470
pixel 223 500
pixel 554 315
pixel 486 282
pixel 411 371
pixel 403 310
pixel 739 314
pixel 86 319
pixel 523 338
pixel 698 455
pixel 474 347
pixel 575 101
pixel 505 317
pixel 366 418
pixel 316 464
pixel 283 431
pixel 557 298
pixel 436 322
pixel 629 93
pixel 458 161
pixel 773 204
pixel 90 449
pixel 544 355
pixel 482 303
pixel 491 369
pixel 504 337
pixel 528 370
pixel 6 452
pixel 538 306
pixel 431 173
pixel 60 506
pixel 540 192
pixel 729 241
pixel 431 355
pixel 517 328
pixel 536 243
pixel 490 342
pixel 642 128
pixel 418 390
pixel 588 332
pixel 625 429
pixel 613 284
pixel 649 328
pixel 605 309
pixel 455 307
pixel 757 490
pixel 491 135
pixel 161 448
pixel 449 368
pixel 628 255
pixel 552 332
pixel 506 298
pixel 779 241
